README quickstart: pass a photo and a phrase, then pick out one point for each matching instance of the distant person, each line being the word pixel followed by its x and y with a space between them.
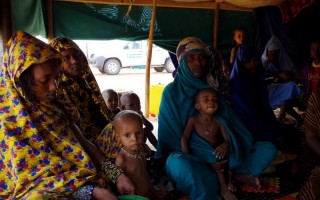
pixel 206 126
pixel 111 98
pixel 280 74
pixel 240 36
pixel 310 74
pixel 80 87
pixel 131 158
pixel 131 101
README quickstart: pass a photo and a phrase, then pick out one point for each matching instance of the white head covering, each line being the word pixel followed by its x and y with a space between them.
pixel 284 61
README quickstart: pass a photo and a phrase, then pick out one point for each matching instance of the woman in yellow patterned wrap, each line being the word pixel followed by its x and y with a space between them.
pixel 79 85
pixel 40 156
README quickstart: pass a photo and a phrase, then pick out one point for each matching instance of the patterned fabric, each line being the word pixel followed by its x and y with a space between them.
pixel 310 190
pixel 83 193
pixel 308 159
pixel 188 44
pixel 291 8
pixel 107 143
pixel 40 157
pixel 91 110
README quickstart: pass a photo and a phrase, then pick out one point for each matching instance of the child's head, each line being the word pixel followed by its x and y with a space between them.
pixel 240 35
pixel 130 101
pixel 129 129
pixel 206 101
pixel 315 50
pixel 111 98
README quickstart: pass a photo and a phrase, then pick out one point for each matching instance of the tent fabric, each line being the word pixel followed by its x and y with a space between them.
pixel 99 21
pixel 29 16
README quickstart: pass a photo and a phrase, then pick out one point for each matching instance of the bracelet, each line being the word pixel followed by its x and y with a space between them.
pixel 83 193
pixel 220 171
pixel 111 171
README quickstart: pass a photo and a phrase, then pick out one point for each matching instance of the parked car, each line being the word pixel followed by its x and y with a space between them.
pixel 132 54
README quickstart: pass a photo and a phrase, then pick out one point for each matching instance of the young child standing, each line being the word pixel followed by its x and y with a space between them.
pixel 131 158
pixel 240 36
pixel 131 101
pixel 211 130
pixel 112 100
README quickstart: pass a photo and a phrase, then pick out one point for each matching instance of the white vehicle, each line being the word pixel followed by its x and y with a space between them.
pixel 132 54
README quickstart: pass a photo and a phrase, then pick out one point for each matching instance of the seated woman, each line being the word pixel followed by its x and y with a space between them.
pixel 280 74
pixel 81 88
pixel 191 175
pixel 40 155
pixel 309 158
pixel 249 97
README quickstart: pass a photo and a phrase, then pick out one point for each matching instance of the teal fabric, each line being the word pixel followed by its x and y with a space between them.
pixel 175 109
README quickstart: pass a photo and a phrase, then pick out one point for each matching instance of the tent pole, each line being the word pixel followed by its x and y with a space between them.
pixel 49 23
pixel 5 25
pixel 216 26
pixel 150 42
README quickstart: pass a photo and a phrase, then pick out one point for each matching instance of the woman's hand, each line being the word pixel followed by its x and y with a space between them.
pixel 125 185
pixel 102 194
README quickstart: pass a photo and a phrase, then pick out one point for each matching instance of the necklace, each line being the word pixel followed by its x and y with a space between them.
pixel 137 155
pixel 207 132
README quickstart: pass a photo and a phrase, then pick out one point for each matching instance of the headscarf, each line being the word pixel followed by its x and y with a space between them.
pixel 40 157
pixel 177 106
pixel 249 96
pixel 84 93
pixel 284 60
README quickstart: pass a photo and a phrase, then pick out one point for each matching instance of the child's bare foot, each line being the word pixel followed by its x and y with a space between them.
pixel 248 179
pixel 232 186
pixel 226 194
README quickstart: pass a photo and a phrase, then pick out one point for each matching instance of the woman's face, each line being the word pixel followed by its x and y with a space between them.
pixel 273 55
pixel 197 64
pixel 45 76
pixel 73 62
pixel 315 50
pixel 251 65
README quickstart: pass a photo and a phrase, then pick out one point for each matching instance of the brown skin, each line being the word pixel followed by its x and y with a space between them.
pixel 240 37
pixel 197 64
pixel 112 100
pixel 315 51
pixel 131 101
pixel 124 184
pixel 207 105
pixel 45 84
pixel 129 132
pixel 73 62
pixel 251 65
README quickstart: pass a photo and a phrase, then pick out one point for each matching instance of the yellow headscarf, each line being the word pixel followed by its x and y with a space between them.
pixel 81 92
pixel 40 157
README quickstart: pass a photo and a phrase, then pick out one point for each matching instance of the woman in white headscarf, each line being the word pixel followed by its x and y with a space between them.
pixel 283 91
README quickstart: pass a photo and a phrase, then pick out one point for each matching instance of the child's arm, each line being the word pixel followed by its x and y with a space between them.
pixel 233 55
pixel 147 124
pixel 186 135
pixel 120 162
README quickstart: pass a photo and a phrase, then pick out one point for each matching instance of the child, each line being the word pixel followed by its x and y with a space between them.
pixel 131 158
pixel 112 100
pixel 240 36
pixel 131 101
pixel 210 129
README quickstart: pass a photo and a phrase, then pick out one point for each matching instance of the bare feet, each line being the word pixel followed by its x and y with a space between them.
pixel 248 179
pixel 232 186
pixel 226 194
